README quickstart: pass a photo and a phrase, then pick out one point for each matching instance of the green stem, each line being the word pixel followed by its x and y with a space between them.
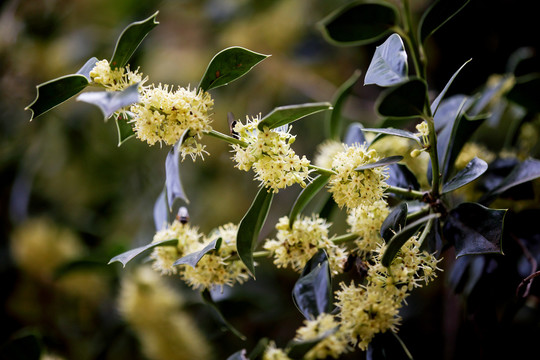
pixel 226 138
pixel 344 238
pixel 261 254
pixel 434 157
pixel 426 231
pixel 418 214
pixel 413 194
pixel 322 171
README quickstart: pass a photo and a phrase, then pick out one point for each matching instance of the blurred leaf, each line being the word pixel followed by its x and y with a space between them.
pixel 297 349
pixel 403 101
pixel 173 182
pixel 383 162
pixel 354 134
pixel 525 93
pixel 471 172
pixel 437 101
pixel 239 355
pixel 306 195
pixel 228 65
pixel 110 101
pixel 399 239
pixel 526 171
pixel 437 15
pixel 395 132
pixel 193 258
pixel 475 229
pixel 251 225
pixel 207 298
pixel 124 129
pixel 387 346
pixel 127 256
pixel 389 63
pixel 130 39
pixel 395 221
pixel 399 175
pixel 54 92
pixel 258 350
pixel 26 345
pixel 333 118
pixel 161 212
pixel 284 115
pixel 359 23
pixel 87 68
pixel 312 292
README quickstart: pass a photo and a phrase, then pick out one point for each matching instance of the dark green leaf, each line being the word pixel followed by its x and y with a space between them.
pixel 383 162
pixel 437 101
pixel 475 229
pixel 193 258
pixel 124 129
pixel 399 175
pixel 26 345
pixel 389 63
pixel 207 298
pixel 405 100
pixel 354 134
pixel 297 349
pixel 471 172
pixel 448 110
pixel 394 222
pixel 306 195
pixel 126 257
pixel 525 93
pixel 395 132
pixel 312 293
pixel 251 225
pixel 437 15
pixel 54 92
pixel 333 118
pixel 173 181
pixel 130 39
pixel 400 238
pixel 526 171
pixel 284 115
pixel 239 355
pixel 359 23
pixel 110 101
pixel 228 65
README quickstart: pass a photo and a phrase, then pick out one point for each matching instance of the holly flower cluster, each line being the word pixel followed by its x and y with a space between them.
pixel 162 114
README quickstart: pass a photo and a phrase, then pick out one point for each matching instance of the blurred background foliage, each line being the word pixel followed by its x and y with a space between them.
pixel 70 199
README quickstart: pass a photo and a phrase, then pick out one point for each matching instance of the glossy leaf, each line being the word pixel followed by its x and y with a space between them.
pixel 207 298
pixel 383 162
pixel 471 172
pixel 297 349
pixel 251 225
pixel 87 68
pixel 399 239
pixel 110 101
pixel 526 171
pixel 161 212
pixel 306 195
pixel 130 39
pixel 239 355
pixel 284 115
pixel 475 229
pixel 124 129
pixel 359 23
pixel 395 221
pixel 389 63
pixel 524 93
pixel 437 15
pixel 127 256
pixel 194 258
pixel 394 132
pixel 448 110
pixel 334 118
pixel 399 175
pixel 312 292
pixel 229 65
pixel 435 104
pixel 405 100
pixel 173 182
pixel 354 134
